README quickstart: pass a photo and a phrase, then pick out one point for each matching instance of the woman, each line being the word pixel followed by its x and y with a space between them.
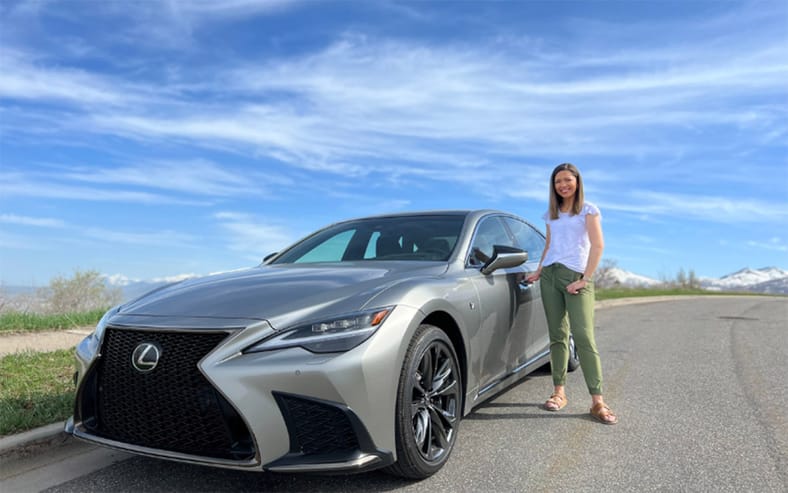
pixel 572 253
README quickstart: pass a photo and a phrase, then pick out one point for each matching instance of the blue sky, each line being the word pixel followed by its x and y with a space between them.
pixel 150 139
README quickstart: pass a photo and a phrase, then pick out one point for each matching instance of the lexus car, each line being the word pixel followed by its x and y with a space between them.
pixel 359 347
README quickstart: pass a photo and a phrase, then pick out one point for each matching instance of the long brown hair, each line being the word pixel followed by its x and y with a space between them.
pixel 556 200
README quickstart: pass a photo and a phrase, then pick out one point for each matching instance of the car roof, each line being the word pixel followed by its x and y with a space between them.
pixel 474 214
pixel 435 212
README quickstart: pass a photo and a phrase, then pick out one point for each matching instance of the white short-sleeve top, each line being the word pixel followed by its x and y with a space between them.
pixel 569 243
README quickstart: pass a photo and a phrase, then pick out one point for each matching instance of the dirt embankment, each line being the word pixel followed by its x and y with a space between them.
pixel 41 341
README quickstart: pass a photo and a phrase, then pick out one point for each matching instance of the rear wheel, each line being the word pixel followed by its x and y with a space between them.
pixel 429 400
pixel 574 359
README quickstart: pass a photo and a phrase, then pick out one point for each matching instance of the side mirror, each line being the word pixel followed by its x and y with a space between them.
pixel 504 257
pixel 269 257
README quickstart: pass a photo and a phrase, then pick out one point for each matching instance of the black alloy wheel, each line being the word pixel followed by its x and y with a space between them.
pixel 574 360
pixel 428 404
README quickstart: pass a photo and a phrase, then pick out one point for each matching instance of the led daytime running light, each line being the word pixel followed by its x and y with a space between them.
pixel 332 335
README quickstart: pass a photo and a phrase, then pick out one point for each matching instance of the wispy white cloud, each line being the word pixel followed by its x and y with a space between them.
pixel 716 209
pixel 194 177
pixel 17 184
pixel 251 235
pixel 158 24
pixel 357 101
pixel 209 11
pixel 775 244
pixel 12 241
pixel 169 238
pixel 25 78
pixel 42 222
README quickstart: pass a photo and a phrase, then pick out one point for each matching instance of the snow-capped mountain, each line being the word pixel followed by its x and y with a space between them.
pixel 775 286
pixel 120 280
pixel 618 277
pixel 132 288
pixel 765 280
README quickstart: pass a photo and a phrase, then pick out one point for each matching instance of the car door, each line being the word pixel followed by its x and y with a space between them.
pixel 503 300
pixel 528 238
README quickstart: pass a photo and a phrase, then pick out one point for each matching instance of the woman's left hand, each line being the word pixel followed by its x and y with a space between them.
pixel 575 287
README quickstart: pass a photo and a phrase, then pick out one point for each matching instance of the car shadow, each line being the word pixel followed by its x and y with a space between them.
pixel 493 409
pixel 541 414
pixel 153 475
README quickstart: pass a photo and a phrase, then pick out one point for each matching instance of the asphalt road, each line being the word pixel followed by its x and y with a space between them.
pixel 698 384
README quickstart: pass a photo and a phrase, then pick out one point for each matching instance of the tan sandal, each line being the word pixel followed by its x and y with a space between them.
pixel 603 414
pixel 556 402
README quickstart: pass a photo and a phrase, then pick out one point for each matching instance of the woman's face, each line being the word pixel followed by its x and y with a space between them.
pixel 565 184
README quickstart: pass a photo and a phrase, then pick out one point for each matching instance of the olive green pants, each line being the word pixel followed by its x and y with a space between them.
pixel 573 312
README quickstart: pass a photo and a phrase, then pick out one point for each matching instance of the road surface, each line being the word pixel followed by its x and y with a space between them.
pixel 698 384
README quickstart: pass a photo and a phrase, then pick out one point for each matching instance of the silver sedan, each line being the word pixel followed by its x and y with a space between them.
pixel 359 347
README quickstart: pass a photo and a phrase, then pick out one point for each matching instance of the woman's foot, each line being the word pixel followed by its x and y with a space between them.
pixel 556 402
pixel 603 414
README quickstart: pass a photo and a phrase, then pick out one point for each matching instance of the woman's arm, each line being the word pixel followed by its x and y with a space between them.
pixel 535 276
pixel 594 228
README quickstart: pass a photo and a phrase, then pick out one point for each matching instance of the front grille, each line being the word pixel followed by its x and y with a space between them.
pixel 316 427
pixel 173 407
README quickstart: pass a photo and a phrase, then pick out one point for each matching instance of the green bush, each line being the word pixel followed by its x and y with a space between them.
pixel 84 291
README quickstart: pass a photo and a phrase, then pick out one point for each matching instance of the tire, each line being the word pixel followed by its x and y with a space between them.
pixel 427 416
pixel 574 360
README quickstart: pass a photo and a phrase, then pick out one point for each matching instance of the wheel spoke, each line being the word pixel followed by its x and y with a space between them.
pixel 425 369
pixel 444 384
pixel 449 389
pixel 448 416
pixel 421 427
pixel 426 446
pixel 439 431
pixel 443 371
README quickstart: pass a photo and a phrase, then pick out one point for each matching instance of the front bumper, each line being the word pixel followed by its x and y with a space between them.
pixel 286 410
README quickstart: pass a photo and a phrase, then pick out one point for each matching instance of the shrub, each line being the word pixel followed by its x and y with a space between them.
pixel 85 291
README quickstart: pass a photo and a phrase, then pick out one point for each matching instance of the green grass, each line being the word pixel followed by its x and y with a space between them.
pixel 612 293
pixel 31 322
pixel 36 389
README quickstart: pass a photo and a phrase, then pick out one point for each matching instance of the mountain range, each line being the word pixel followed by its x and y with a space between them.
pixel 768 280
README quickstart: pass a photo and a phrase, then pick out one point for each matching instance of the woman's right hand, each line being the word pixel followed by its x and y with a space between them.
pixel 533 277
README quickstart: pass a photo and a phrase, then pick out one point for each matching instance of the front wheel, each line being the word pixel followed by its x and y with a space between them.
pixel 429 400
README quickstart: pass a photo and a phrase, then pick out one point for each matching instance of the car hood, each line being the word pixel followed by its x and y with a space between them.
pixel 280 294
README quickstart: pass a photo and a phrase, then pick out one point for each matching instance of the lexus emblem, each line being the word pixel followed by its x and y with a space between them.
pixel 145 357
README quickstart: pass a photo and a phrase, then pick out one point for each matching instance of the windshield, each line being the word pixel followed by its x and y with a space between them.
pixel 385 238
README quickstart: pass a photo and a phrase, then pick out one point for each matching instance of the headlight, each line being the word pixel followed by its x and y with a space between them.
pixel 89 346
pixel 334 335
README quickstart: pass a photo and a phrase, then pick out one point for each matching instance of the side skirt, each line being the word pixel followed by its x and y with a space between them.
pixel 520 371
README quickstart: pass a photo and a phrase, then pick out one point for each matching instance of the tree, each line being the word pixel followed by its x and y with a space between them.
pixel 85 291
pixel 681 278
pixel 603 277
pixel 692 280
